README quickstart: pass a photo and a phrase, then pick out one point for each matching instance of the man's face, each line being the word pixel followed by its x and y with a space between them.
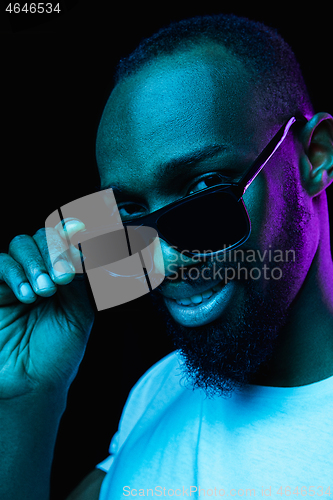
pixel 177 106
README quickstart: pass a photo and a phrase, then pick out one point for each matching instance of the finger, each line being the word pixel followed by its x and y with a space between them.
pixel 24 251
pixel 54 252
pixel 67 228
pixel 14 282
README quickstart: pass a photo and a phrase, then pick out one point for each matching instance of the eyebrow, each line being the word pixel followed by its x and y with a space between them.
pixel 200 154
pixel 203 153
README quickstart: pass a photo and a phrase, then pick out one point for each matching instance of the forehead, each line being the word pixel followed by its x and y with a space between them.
pixel 176 105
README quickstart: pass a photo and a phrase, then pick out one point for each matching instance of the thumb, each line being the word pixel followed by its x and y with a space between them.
pixel 66 229
pixel 76 296
pixel 78 303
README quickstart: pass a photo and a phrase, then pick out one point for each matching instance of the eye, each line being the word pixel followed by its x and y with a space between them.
pixel 129 210
pixel 205 182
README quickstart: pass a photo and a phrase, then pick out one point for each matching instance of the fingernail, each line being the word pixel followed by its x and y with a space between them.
pixel 26 291
pixel 63 267
pixel 44 281
pixel 73 226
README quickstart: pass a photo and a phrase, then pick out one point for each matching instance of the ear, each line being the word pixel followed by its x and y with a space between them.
pixel 317 158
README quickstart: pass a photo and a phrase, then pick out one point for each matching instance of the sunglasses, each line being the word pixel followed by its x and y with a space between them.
pixel 188 225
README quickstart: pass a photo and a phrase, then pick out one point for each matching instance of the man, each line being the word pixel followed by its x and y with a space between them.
pixel 193 107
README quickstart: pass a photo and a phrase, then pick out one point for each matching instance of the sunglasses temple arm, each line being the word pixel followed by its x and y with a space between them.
pixel 265 155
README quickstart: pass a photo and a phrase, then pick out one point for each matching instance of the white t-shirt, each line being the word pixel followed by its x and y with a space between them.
pixel 262 441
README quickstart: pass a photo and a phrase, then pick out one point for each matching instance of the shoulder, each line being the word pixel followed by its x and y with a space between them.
pixel 152 381
pixel 158 385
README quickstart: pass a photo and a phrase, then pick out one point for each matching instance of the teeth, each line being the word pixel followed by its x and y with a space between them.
pixel 184 302
pixel 199 297
pixel 207 293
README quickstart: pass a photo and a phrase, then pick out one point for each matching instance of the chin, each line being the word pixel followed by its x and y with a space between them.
pixel 224 341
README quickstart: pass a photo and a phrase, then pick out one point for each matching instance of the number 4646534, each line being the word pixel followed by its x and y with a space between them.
pixel 33 7
pixel 303 491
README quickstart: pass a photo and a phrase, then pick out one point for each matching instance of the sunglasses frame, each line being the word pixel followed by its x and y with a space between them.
pixel 237 190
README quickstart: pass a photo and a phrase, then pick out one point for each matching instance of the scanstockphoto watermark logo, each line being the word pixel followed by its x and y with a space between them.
pixel 188 491
pixel 237 264
pixel 198 491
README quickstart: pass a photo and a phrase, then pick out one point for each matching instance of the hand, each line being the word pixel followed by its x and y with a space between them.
pixel 45 313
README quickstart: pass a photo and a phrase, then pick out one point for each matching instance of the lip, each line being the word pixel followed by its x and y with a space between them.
pixel 186 289
pixel 203 313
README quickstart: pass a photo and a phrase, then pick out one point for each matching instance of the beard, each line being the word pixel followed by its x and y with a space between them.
pixel 229 352
pixel 225 354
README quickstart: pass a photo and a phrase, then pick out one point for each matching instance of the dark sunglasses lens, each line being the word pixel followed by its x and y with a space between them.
pixel 206 224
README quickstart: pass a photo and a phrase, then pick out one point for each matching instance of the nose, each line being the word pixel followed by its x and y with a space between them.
pixel 170 259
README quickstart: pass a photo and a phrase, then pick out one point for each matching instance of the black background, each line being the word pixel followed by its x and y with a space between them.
pixel 56 78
